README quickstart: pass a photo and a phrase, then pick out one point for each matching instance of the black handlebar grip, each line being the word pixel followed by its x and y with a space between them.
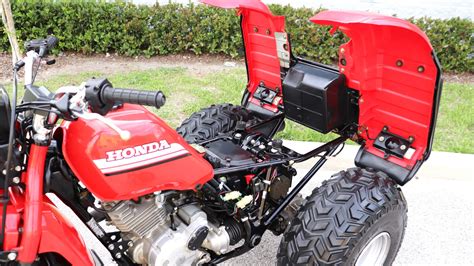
pixel 51 42
pixel 149 98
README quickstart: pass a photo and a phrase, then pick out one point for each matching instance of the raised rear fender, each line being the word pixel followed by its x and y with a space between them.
pixel 393 66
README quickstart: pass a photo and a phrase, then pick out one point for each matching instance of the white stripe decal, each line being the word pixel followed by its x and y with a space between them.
pixel 108 167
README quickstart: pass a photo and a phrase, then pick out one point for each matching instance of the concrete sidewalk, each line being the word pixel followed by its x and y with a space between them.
pixel 440 203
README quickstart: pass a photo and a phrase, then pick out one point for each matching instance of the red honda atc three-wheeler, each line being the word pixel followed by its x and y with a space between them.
pixel 209 190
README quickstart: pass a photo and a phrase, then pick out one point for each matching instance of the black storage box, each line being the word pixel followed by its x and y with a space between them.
pixel 315 96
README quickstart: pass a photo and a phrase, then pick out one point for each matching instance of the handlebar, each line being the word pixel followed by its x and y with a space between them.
pixel 42 46
pixel 102 96
pixel 149 98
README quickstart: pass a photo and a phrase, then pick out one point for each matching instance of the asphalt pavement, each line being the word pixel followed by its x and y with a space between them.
pixel 440 211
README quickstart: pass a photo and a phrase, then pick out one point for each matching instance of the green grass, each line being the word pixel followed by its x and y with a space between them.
pixel 187 93
pixel 455 128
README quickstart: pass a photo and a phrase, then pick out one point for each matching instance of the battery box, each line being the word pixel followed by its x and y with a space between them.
pixel 316 96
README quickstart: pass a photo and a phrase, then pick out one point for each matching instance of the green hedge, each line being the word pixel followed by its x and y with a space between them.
pixel 99 27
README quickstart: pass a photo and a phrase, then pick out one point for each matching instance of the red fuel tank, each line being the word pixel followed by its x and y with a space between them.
pixel 154 158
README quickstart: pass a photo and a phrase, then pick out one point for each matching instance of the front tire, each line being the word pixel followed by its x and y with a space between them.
pixel 358 217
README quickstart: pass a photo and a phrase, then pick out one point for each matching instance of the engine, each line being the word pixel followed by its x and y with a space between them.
pixel 165 235
pixel 192 227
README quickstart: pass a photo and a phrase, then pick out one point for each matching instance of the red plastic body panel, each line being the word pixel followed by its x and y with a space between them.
pixel 33 178
pixel 390 62
pixel 12 225
pixel 59 236
pixel 258 29
pixel 44 228
pixel 88 145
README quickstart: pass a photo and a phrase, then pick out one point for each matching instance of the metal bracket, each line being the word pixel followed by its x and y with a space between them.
pixel 283 48
pixel 392 144
pixel 265 95
pixel 116 245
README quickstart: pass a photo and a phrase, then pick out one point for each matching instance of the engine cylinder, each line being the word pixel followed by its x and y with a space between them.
pixel 159 240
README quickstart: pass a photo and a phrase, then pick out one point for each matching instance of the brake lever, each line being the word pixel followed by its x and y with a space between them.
pixel 78 107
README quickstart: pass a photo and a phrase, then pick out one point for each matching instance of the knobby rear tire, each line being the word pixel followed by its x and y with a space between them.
pixel 342 216
pixel 209 122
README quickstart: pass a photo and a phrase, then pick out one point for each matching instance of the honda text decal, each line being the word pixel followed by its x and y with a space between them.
pixel 139 156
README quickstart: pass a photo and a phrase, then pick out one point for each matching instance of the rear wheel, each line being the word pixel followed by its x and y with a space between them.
pixel 358 217
pixel 211 121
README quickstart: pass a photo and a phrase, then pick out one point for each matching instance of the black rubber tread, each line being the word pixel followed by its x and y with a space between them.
pixel 337 219
pixel 209 122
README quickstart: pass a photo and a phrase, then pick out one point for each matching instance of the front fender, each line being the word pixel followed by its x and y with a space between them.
pixel 60 236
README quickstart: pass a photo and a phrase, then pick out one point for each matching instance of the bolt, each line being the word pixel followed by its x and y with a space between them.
pixel 11 256
pixel 342 70
pixel 403 147
pixel 421 69
pixel 252 141
pixel 4 171
pixel 381 139
pixel 18 168
pixel 268 31
pixel 411 139
pixel 16 180
pixel 261 147
pixel 342 50
pixel 255 29
pixel 130 244
pixel 238 135
pixel 118 255
pixel 399 63
pixel 111 247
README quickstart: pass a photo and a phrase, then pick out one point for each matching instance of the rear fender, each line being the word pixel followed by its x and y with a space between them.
pixel 266 51
pixel 393 66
